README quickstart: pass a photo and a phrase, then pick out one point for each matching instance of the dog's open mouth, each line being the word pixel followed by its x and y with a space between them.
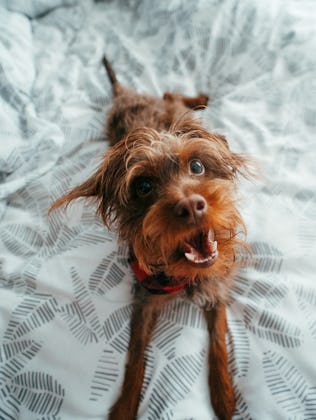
pixel 201 249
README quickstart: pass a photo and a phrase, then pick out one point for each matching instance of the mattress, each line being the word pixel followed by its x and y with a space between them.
pixel 65 285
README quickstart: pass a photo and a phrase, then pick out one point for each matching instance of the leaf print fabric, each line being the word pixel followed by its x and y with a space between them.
pixel 65 284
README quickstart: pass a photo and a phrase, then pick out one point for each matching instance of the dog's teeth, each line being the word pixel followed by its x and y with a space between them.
pixel 193 258
pixel 206 255
pixel 204 260
pixel 210 236
pixel 190 256
pixel 213 246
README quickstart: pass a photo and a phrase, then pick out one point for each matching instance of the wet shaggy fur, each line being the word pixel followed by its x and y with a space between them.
pixel 168 186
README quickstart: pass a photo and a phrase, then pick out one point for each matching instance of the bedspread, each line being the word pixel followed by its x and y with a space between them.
pixel 65 285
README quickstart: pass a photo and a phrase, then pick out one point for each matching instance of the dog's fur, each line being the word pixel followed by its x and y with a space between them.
pixel 168 186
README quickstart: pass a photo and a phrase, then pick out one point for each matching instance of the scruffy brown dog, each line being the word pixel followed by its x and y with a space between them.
pixel 168 186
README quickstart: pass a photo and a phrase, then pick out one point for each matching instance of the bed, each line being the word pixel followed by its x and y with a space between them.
pixel 65 285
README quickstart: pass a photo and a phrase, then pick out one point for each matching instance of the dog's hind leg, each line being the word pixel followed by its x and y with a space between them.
pixel 192 102
pixel 143 321
pixel 220 382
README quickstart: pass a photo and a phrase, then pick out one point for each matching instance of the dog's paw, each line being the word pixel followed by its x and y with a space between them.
pixel 203 99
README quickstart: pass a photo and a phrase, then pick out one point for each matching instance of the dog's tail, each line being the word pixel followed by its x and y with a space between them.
pixel 112 76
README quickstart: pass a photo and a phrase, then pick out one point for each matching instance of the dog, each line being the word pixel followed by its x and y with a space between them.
pixel 168 186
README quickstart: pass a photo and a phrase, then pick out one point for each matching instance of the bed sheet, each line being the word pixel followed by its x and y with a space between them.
pixel 65 286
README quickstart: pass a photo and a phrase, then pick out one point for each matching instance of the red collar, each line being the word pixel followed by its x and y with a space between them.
pixel 158 284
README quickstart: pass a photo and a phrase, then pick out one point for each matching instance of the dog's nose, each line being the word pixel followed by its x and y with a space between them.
pixel 191 209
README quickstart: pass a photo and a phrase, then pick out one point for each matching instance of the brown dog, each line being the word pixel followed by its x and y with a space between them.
pixel 168 185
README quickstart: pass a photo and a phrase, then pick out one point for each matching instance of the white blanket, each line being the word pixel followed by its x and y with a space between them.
pixel 65 285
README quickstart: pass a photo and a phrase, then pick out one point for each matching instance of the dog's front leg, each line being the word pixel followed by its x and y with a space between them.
pixel 143 320
pixel 220 382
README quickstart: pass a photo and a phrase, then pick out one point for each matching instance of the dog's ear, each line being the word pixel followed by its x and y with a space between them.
pixel 103 187
pixel 90 188
pixel 235 163
pixel 222 139
pixel 215 145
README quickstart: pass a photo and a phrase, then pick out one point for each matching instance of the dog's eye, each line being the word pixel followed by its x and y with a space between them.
pixel 143 186
pixel 196 167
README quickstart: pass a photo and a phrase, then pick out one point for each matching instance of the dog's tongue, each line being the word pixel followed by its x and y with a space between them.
pixel 201 250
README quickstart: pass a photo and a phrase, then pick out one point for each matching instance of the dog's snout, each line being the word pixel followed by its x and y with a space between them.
pixel 191 209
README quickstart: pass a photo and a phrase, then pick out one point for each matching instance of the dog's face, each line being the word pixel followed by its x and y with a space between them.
pixel 171 197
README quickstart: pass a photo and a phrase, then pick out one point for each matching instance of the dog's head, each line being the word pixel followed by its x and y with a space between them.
pixel 171 197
